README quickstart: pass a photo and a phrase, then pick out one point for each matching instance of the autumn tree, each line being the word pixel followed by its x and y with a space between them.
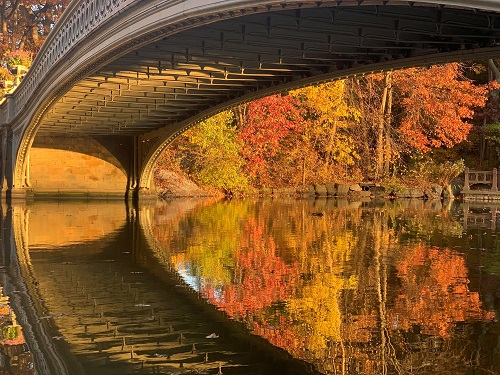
pixel 325 130
pixel 436 105
pixel 373 132
pixel 412 111
pixel 26 24
pixel 268 121
pixel 216 153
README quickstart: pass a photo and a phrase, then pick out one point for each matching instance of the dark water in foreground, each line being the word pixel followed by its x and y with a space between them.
pixel 250 287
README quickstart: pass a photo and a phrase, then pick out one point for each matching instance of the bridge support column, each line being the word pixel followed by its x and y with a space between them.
pixel 466 181
pixel 133 173
pixel 15 178
pixel 137 188
pixel 494 180
pixel 3 159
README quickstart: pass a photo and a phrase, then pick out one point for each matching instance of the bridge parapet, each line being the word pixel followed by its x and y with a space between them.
pixel 481 185
pixel 473 177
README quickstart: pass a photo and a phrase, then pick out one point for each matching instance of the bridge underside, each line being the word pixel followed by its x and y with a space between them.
pixel 161 85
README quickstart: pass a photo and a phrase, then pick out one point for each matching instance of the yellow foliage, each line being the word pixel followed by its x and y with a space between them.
pixel 327 101
pixel 328 117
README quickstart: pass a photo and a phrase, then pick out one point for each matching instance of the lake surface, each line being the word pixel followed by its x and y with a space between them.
pixel 256 286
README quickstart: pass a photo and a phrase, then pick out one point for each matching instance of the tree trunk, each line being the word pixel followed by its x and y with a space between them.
pixel 240 113
pixel 357 97
pixel 493 68
pixel 3 16
pixel 387 131
pixel 493 74
pixel 303 171
pixel 379 152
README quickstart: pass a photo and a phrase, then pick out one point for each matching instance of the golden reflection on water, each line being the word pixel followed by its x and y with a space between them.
pixel 72 222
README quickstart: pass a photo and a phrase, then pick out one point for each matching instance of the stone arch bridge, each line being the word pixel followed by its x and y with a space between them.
pixel 117 80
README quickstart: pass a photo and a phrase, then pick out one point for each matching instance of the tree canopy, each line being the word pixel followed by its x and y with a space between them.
pixel 363 128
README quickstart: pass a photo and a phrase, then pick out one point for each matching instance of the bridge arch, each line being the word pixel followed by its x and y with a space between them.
pixel 150 70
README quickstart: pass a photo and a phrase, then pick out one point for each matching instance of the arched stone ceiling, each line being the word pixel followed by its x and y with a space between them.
pixel 169 80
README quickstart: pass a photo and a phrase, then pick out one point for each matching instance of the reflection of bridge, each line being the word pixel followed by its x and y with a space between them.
pixel 90 304
pixel 118 80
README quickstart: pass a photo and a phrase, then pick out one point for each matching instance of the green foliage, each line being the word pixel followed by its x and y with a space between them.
pixel 19 57
pixel 493 135
pixel 426 170
pixel 9 332
pixel 217 160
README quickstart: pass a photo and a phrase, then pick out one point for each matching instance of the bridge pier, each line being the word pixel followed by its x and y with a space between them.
pixel 8 148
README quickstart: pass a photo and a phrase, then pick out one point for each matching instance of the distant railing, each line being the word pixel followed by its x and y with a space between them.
pixel 481 177
pixel 480 215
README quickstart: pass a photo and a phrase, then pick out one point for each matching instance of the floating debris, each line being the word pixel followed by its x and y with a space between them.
pixel 52 316
pixel 213 336
pixel 158 355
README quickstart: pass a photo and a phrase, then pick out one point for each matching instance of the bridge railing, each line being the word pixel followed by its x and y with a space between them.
pixel 473 177
pixel 76 23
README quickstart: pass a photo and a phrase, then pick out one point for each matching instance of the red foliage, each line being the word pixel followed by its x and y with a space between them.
pixel 268 121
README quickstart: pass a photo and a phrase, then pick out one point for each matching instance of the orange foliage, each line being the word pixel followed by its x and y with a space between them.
pixel 436 104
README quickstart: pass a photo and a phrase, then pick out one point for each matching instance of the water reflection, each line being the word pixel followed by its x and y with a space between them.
pixel 350 287
pixel 98 303
pixel 327 286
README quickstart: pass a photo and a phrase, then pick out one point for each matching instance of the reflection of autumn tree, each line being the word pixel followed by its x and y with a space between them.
pixel 435 292
pixel 295 305
pixel 208 240
pixel 312 320
pixel 260 276
pixel 357 290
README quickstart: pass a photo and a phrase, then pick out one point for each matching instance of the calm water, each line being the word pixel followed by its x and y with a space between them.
pixel 250 287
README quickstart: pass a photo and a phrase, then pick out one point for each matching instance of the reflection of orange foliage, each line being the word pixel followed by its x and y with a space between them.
pixel 261 276
pixel 435 292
